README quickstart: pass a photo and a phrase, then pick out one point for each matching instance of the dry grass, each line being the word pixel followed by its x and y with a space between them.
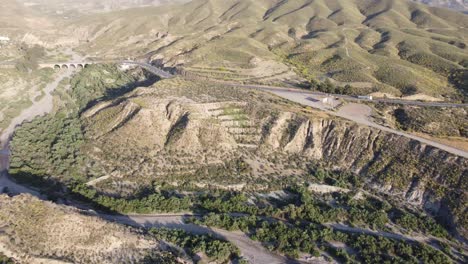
pixel 34 229
pixel 456 142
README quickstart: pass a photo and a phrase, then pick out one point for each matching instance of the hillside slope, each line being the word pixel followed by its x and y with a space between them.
pixel 35 231
pixel 394 46
pixel 186 133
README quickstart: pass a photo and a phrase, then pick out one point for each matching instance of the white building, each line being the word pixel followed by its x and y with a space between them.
pixel 4 39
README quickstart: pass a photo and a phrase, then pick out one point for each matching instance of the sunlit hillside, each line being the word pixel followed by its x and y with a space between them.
pixel 393 46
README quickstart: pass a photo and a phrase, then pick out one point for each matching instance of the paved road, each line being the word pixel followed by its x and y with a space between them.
pixel 252 250
pixel 346 97
pixel 155 70
pixel 360 114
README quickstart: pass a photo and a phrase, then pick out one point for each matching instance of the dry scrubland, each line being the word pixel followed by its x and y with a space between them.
pixel 393 46
pixel 447 125
pixel 159 149
pixel 203 135
pixel 34 231
pixel 18 90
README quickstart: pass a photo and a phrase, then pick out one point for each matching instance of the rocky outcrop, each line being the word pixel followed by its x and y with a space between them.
pixel 418 174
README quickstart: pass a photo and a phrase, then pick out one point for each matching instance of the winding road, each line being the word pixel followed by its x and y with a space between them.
pixel 252 250
pixel 291 91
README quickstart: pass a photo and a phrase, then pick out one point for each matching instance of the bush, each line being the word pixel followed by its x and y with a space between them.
pixel 217 250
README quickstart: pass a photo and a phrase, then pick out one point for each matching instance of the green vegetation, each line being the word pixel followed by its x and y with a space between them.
pixel 6 260
pixel 100 82
pixel 149 203
pixel 419 223
pixel 30 59
pixel 216 250
pixel 433 120
pixel 297 227
pixel 294 238
pixel 51 145
pixel 339 207
pixel 459 78
pixel 40 146
pixel 327 86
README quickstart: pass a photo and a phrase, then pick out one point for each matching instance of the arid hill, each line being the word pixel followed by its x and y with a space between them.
pixel 394 46
pixel 34 231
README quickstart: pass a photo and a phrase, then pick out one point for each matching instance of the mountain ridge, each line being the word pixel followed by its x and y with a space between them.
pixel 461 5
pixel 357 42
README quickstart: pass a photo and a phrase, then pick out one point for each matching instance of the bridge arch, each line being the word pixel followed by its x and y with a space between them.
pixel 80 66
pixel 64 66
pixel 57 67
pixel 73 66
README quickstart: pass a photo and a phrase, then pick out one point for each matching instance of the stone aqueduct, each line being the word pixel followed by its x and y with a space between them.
pixel 79 65
pixel 68 65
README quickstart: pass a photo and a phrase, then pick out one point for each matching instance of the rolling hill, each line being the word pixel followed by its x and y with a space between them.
pixel 394 46
pixel 304 183
pixel 69 236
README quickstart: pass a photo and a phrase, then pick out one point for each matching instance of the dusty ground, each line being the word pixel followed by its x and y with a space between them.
pixel 456 142
pixel 250 249
pixel 38 108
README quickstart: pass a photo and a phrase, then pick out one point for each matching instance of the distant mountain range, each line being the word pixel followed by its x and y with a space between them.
pixel 84 6
pixel 454 4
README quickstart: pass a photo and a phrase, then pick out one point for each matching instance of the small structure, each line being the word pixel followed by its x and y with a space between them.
pixel 328 100
pixel 4 39
pixel 365 97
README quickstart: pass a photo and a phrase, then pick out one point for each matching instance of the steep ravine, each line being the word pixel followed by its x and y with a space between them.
pixel 220 132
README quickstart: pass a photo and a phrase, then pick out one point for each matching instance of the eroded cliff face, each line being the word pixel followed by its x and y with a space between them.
pixel 209 140
pixel 417 174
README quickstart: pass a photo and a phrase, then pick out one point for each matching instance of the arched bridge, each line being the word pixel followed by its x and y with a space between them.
pixel 66 65
pixel 80 65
